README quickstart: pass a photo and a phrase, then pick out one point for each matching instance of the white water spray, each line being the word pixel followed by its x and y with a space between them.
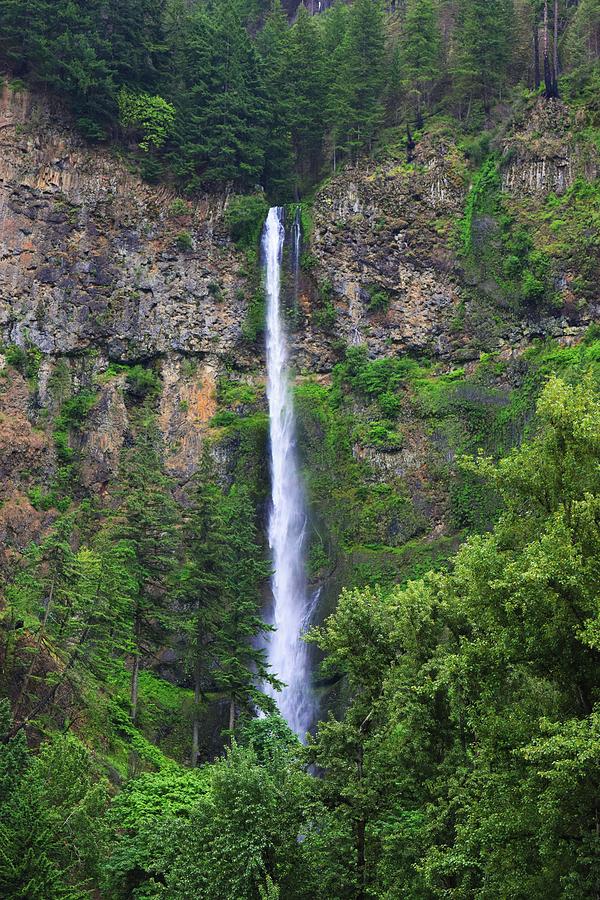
pixel 287 653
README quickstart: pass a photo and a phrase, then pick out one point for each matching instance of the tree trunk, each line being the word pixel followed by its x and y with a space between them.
pixel 135 671
pixel 196 721
pixel 549 79
pixel 536 55
pixel 36 652
pixel 555 51
pixel 361 827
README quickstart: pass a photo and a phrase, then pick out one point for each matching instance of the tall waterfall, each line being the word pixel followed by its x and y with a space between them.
pixel 287 653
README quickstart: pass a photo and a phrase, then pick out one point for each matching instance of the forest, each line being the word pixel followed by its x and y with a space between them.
pixel 231 93
pixel 142 755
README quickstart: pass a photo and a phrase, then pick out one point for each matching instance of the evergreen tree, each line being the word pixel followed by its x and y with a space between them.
pixel 307 76
pixel 242 666
pixel 365 67
pixel 356 98
pixel 202 585
pixel 483 51
pixel 230 124
pixel 51 825
pixel 146 524
pixel 420 53
pixel 583 40
pixel 273 44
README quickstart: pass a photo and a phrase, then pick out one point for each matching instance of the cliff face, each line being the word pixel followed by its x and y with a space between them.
pixel 90 253
pixel 97 266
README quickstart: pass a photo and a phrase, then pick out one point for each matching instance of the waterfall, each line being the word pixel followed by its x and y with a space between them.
pixel 296 248
pixel 287 653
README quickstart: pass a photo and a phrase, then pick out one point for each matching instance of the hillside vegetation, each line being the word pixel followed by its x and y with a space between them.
pixel 453 481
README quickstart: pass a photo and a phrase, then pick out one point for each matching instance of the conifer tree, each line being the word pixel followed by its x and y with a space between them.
pixel 483 52
pixel 202 584
pixel 242 666
pixel 231 121
pixel 273 44
pixel 146 523
pixel 420 53
pixel 356 91
pixel 307 74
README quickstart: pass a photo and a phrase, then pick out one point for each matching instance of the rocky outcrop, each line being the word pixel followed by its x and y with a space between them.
pixel 97 266
pixel 92 257
pixel 541 156
pixel 25 457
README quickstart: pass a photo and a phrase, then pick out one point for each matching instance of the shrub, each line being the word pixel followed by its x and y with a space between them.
pixel 184 241
pixel 151 115
pixel 245 216
pixel 142 382
pixel 25 360
pixel 379 301
pixel 383 437
pixel 178 207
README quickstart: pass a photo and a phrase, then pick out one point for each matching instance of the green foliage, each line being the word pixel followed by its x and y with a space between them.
pixel 475 750
pixel 500 249
pixel 153 116
pixel 184 241
pixel 419 54
pixel 51 820
pixel 574 220
pixel 245 216
pixel 142 382
pixel 379 301
pixel 138 817
pixel 482 198
pixel 254 323
pixel 25 359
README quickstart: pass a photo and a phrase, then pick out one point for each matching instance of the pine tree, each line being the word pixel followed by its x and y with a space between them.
pixel 231 124
pixel 202 584
pixel 242 666
pixel 359 80
pixel 483 53
pixel 273 44
pixel 420 53
pixel 307 76
pixel 146 524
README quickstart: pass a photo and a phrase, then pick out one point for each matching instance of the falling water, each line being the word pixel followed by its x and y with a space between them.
pixel 288 654
pixel 296 248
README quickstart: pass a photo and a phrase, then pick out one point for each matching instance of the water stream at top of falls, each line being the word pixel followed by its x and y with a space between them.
pixel 287 653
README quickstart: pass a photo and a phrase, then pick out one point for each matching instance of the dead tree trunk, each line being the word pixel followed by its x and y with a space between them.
pixel 196 720
pixel 536 55
pixel 555 51
pixel 549 77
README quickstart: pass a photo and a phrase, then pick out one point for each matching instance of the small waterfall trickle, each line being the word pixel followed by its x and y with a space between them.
pixel 296 251
pixel 288 655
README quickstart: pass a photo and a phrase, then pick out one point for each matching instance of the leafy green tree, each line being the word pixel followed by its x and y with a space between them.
pixel 148 807
pixel 51 821
pixel 245 831
pixel 152 115
pixel 464 762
